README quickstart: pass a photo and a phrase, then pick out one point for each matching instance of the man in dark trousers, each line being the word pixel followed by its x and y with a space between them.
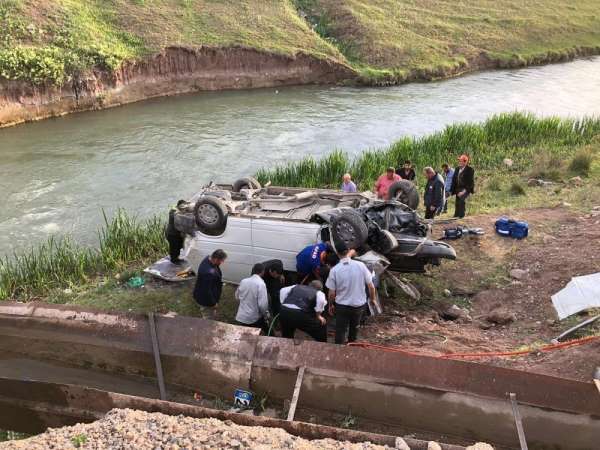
pixel 406 172
pixel 463 185
pixel 274 280
pixel 174 236
pixel 434 197
pixel 348 282
pixel 209 283
pixel 301 308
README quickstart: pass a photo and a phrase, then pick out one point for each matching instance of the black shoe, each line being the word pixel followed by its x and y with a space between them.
pixel 177 261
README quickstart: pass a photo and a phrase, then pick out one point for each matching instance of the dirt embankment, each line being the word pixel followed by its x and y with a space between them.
pixel 562 244
pixel 176 70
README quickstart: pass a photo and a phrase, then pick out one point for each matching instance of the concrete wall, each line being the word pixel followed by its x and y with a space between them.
pixel 466 400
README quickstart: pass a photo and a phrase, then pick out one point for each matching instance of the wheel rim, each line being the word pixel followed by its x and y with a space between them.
pixel 208 214
pixel 345 232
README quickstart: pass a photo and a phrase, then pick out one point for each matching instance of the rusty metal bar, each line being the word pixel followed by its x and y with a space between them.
pixel 156 351
pixel 297 387
pixel 518 421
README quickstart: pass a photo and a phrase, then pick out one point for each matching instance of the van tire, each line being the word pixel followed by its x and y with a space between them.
pixel 349 228
pixel 246 183
pixel 386 242
pixel 210 214
pixel 405 192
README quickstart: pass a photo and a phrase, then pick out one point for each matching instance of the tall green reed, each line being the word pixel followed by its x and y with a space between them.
pixel 60 262
pixel 517 136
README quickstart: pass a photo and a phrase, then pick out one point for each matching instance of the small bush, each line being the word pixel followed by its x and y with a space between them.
pixel 547 166
pixel 494 184
pixel 581 163
pixel 517 188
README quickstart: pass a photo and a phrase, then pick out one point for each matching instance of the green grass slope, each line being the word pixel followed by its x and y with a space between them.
pixel 50 40
pixel 397 36
pixel 43 40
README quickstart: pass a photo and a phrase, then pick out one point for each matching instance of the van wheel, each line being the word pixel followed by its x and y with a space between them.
pixel 210 214
pixel 246 183
pixel 405 192
pixel 349 228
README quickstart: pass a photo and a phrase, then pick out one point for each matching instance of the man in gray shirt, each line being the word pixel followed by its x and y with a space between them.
pixel 347 283
pixel 254 301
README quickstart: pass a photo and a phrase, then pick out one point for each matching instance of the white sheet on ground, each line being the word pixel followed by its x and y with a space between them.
pixel 579 294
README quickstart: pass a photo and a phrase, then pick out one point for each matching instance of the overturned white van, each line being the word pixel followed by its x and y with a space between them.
pixel 255 224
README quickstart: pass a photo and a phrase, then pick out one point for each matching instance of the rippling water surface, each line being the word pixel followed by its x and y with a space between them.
pixel 57 175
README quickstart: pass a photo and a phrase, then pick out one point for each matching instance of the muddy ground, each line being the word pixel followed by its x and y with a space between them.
pixel 562 244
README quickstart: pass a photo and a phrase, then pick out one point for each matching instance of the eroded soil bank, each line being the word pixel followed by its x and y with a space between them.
pixel 176 70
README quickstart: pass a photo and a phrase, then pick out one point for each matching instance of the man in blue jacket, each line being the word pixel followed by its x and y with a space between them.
pixel 311 262
pixel 209 283
pixel 449 175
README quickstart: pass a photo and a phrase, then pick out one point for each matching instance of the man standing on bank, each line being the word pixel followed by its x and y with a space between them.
pixel 406 172
pixel 449 174
pixel 347 183
pixel 209 283
pixel 174 236
pixel 383 183
pixel 253 310
pixel 434 197
pixel 346 283
pixel 463 185
pixel 302 308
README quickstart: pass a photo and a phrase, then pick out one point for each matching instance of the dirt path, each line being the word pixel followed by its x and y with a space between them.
pixel 562 244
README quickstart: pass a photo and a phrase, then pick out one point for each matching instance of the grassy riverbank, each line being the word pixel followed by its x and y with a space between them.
pixel 537 147
pixel 551 149
pixel 384 40
pixel 124 241
pixel 414 39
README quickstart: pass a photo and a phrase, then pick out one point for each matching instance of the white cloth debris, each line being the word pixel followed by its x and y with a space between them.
pixel 579 294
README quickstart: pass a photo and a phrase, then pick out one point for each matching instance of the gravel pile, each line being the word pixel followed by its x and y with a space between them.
pixel 129 429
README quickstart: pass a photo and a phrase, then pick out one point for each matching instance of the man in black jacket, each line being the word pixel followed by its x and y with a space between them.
pixel 174 236
pixel 302 308
pixel 463 185
pixel 434 196
pixel 406 172
pixel 274 280
pixel 209 283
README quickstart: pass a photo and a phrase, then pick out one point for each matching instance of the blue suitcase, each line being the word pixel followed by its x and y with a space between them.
pixel 517 229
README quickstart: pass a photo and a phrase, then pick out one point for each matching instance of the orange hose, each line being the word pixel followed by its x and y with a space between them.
pixel 545 348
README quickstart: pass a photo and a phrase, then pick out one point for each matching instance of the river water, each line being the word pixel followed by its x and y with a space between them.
pixel 57 175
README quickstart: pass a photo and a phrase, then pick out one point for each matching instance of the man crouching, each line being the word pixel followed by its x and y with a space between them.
pixel 301 308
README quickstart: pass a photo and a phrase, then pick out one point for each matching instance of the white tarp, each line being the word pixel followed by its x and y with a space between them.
pixel 579 294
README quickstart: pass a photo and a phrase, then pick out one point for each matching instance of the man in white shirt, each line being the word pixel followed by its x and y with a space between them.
pixel 254 301
pixel 301 308
pixel 347 283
